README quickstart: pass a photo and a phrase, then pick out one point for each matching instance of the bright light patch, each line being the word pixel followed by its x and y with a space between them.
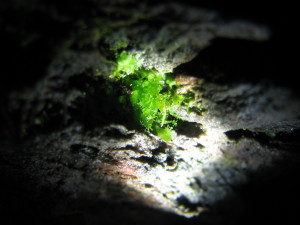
pixel 174 177
pixel 176 180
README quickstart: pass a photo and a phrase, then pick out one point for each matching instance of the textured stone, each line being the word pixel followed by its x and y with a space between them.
pixel 78 144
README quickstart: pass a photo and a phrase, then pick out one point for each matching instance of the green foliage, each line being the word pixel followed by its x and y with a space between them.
pixel 127 65
pixel 163 133
pixel 153 97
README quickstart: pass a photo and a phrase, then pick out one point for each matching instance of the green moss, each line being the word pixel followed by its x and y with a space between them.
pixel 153 95
pixel 126 65
pixel 163 133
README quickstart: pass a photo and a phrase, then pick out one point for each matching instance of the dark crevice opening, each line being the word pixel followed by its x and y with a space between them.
pixel 189 129
pixel 228 61
pixel 280 140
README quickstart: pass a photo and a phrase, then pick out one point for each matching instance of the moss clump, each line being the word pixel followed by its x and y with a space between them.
pixel 153 95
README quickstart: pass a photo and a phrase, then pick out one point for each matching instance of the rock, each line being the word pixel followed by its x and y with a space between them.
pixel 69 143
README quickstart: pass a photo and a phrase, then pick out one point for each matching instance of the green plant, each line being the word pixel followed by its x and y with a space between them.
pixel 152 95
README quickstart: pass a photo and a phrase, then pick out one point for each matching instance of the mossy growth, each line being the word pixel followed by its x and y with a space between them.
pixel 152 95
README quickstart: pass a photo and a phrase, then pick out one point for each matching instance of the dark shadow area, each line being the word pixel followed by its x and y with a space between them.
pixel 26 201
pixel 101 105
pixel 32 33
pixel 273 59
pixel 229 61
pixel 189 129
pixel 232 60
pixel 270 197
pixel 282 140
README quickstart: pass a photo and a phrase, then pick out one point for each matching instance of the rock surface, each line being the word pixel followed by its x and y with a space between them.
pixel 73 155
